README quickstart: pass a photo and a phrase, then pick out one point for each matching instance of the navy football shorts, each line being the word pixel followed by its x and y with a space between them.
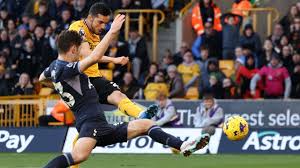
pixel 104 88
pixel 104 133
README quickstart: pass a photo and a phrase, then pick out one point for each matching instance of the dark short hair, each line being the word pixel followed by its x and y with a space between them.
pixel 99 8
pixel 66 40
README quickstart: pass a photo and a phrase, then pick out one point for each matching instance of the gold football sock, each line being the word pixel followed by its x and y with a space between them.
pixel 130 108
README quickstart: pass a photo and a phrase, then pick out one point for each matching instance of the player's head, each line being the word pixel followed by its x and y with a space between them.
pixel 162 100
pixel 68 43
pixel 208 99
pixel 99 16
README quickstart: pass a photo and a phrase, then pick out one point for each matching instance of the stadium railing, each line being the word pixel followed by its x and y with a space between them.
pixel 21 111
pixel 144 16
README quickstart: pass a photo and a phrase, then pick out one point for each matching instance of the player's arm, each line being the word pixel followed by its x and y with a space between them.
pixel 85 51
pixel 97 54
pixel 44 78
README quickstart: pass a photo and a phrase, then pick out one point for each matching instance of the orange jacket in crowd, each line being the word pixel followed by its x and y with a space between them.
pixel 197 21
pixel 62 113
pixel 243 4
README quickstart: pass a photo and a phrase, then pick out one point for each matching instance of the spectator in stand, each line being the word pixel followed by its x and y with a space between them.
pixel 284 41
pixel 276 35
pixel 166 61
pixel 268 51
pixel 167 115
pixel 24 86
pixel 178 57
pixel 277 80
pixel 206 11
pixel 210 38
pixel 176 86
pixel 298 6
pixel 212 77
pixel 25 19
pixel 4 91
pixel 129 86
pixel 42 16
pixel 150 75
pixel 66 19
pixel 11 28
pixel 215 86
pixel 157 87
pixel 28 59
pixel 295 40
pixel 3 17
pixel 4 39
pixel 286 54
pixel 43 48
pixel 81 9
pixel 16 7
pixel 209 115
pixel 251 40
pixel 56 8
pixel 295 76
pixel 32 24
pixel 244 76
pixel 189 70
pixel 295 26
pixel 4 75
pixel 231 33
pixel 18 42
pixel 288 19
pixel 204 58
pixel 229 89
pixel 239 54
pixel 138 53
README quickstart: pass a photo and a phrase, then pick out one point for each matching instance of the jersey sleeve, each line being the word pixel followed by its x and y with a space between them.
pixel 285 73
pixel 78 28
pixel 47 72
pixel 71 70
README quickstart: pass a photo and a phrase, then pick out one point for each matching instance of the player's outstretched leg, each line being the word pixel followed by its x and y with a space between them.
pixel 129 108
pixel 80 153
pixel 148 127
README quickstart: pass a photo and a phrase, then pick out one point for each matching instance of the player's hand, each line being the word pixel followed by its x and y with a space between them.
pixel 121 60
pixel 117 23
pixel 253 92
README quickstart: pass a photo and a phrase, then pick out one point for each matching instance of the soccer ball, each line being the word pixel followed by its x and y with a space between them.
pixel 236 128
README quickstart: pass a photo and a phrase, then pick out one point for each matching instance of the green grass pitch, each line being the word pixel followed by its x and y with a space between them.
pixel 37 160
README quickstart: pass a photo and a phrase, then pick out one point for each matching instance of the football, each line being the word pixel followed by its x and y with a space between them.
pixel 235 128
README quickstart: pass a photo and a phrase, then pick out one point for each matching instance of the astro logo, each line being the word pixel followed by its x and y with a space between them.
pixel 271 140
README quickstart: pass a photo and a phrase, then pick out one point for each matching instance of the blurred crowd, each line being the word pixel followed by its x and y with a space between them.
pixel 263 68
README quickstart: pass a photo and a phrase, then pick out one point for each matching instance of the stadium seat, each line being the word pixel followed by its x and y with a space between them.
pixel 107 73
pixel 192 93
pixel 227 67
pixel 152 90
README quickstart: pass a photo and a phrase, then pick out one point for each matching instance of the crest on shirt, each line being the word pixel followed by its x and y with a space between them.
pixel 81 32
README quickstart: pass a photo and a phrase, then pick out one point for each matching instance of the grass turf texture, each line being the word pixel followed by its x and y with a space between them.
pixel 35 160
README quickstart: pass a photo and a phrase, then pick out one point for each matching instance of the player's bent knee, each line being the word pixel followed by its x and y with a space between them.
pixel 147 124
pixel 79 157
pixel 115 97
